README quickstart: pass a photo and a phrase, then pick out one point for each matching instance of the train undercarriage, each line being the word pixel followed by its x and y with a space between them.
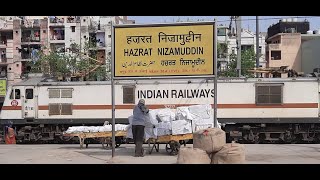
pixel 286 133
pixel 273 133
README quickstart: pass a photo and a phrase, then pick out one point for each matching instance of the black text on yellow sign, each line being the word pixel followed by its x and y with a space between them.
pixel 170 50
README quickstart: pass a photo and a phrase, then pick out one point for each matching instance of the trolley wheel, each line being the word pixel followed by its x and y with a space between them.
pixel 173 147
pixel 117 145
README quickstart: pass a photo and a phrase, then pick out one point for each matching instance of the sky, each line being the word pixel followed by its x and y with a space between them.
pixel 248 22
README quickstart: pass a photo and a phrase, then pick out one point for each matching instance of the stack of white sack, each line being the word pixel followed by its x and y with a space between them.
pixel 200 115
pixel 94 129
pixel 166 115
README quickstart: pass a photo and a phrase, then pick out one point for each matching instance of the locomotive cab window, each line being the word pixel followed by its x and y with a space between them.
pixel 269 94
pixel 29 93
pixel 17 94
pixel 128 95
pixel 12 94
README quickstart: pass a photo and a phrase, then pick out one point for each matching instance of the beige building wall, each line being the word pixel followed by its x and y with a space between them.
pixel 284 50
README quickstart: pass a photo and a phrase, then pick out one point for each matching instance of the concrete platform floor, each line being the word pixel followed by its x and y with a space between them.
pixel 94 154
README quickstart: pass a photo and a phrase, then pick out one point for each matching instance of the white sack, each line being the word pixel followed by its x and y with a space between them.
pixel 181 127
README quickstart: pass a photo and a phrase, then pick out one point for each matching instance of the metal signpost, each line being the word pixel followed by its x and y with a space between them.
pixel 163 51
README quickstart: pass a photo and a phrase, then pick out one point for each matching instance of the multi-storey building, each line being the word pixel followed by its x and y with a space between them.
pixel 227 41
pixel 21 38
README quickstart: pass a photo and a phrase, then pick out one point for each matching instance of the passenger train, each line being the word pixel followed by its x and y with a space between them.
pixel 253 110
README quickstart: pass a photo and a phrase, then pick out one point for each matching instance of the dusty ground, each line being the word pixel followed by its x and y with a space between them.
pixel 94 154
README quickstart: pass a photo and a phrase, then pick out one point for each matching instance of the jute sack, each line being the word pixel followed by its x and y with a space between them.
pixel 211 140
pixel 231 153
pixel 193 156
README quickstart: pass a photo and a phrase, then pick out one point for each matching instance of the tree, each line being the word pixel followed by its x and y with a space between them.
pixel 248 60
pixel 77 62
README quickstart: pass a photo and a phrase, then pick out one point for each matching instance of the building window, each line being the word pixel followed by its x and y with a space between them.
pixel 128 95
pixel 260 50
pixel 221 32
pixel 29 93
pixel 109 36
pixel 275 55
pixel 269 94
pixel 246 47
pixel 17 65
pixel 73 28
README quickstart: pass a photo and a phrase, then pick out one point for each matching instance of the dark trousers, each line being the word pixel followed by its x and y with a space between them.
pixel 138 135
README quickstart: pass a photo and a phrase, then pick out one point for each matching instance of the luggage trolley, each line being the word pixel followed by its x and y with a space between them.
pixel 173 142
pixel 104 137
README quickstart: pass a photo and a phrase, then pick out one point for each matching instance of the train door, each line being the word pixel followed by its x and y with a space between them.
pixel 28 103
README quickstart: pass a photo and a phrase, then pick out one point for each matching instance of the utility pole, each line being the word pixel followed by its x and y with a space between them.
pixel 238 28
pixel 257 45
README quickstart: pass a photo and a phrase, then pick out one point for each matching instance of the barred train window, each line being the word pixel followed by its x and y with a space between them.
pixel 54 109
pixel 128 95
pixel 54 93
pixel 66 109
pixel 66 93
pixel 269 94
pixel 60 109
pixel 60 93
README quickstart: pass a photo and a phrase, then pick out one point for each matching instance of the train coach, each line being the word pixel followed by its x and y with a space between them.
pixel 250 110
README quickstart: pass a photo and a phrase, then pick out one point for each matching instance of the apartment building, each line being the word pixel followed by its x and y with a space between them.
pixel 228 43
pixel 21 38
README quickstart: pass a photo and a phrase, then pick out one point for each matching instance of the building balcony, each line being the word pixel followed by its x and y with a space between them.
pixel 29 23
pixel 55 21
pixel 30 39
pixel 273 47
pixel 73 19
pixel 56 41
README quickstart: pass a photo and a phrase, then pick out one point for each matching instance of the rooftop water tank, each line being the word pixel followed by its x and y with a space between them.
pixel 310 32
pixel 289 20
pixel 284 20
pixel 294 19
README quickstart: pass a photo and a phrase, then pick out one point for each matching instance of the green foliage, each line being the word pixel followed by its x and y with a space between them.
pixel 248 60
pixel 77 61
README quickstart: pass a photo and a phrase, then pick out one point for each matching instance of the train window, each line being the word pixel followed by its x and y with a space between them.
pixel 17 94
pixel 269 94
pixel 66 109
pixel 66 93
pixel 11 95
pixel 29 93
pixel 128 95
pixel 54 109
pixel 54 93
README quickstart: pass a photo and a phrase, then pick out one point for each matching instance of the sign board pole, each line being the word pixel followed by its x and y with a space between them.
pixel 215 105
pixel 113 92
